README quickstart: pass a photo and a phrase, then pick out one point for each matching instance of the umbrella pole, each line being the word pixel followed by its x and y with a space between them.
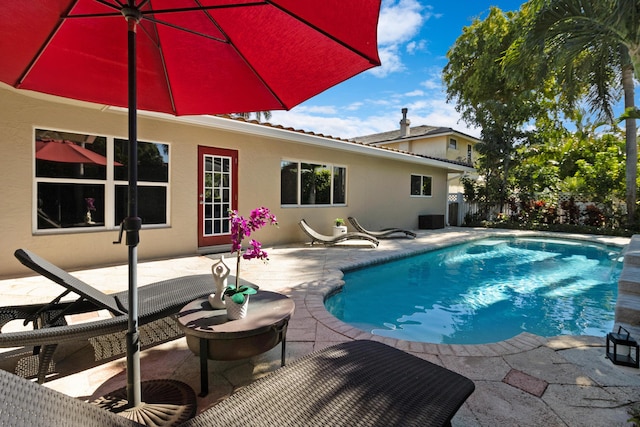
pixel 133 223
pixel 166 402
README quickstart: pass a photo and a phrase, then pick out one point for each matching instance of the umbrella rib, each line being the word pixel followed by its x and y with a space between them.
pixel 186 30
pixel 202 7
pixel 321 31
pixel 244 59
pixel 164 65
pixel 157 11
pixel 227 40
pixel 118 6
pixel 43 47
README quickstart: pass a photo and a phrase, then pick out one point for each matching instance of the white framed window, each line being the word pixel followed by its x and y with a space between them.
pixel 453 143
pixel 81 181
pixel 469 153
pixel 307 183
pixel 421 185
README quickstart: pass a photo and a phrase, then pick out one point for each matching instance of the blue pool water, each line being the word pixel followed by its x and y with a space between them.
pixel 486 291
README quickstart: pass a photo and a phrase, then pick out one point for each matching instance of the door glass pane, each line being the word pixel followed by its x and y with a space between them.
pixel 219 187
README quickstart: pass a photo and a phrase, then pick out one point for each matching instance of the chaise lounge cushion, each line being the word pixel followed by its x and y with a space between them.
pixel 381 234
pixel 156 301
pixel 357 383
pixel 332 240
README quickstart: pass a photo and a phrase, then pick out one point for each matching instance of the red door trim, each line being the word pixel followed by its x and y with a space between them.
pixel 203 151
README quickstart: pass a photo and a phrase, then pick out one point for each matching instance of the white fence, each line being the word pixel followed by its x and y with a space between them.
pixel 458 208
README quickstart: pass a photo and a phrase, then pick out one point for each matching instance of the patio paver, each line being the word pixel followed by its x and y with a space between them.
pixel 583 388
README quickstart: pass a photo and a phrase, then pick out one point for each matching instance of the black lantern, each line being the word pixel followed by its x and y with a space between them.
pixel 623 345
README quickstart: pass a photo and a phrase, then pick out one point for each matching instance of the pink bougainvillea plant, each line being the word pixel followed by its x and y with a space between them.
pixel 241 228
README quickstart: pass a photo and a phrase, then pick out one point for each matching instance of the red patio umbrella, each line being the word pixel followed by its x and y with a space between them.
pixel 68 152
pixel 184 57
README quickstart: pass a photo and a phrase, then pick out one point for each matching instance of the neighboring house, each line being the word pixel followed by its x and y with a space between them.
pixel 191 171
pixel 440 142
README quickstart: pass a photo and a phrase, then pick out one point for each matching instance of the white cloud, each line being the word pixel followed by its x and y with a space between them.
pixel 399 21
pixel 437 112
pixel 434 80
pixel 339 127
pixel 432 84
pixel 382 101
pixel 416 46
pixel 419 105
pixel 416 92
pixel 318 109
pixel 384 117
pixel 390 60
pixel 354 106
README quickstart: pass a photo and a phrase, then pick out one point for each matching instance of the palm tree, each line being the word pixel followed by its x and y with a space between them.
pixel 593 47
pixel 258 114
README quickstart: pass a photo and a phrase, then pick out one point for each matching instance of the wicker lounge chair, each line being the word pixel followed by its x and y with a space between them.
pixel 357 383
pixel 156 303
pixel 381 234
pixel 332 240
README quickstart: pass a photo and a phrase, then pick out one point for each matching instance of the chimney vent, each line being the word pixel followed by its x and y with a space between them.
pixel 405 131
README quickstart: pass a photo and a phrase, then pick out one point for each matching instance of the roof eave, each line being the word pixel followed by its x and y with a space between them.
pixel 305 138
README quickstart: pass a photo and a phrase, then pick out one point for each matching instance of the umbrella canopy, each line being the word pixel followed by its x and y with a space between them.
pixel 184 57
pixel 68 152
pixel 234 56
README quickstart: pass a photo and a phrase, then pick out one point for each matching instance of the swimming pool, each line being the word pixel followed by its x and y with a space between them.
pixel 485 291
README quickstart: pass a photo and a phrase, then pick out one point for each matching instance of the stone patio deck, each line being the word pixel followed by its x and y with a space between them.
pixel 526 381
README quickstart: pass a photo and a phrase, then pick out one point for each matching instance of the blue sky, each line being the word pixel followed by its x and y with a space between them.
pixel 413 39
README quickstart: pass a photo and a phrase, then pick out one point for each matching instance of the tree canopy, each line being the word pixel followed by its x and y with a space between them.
pixel 517 73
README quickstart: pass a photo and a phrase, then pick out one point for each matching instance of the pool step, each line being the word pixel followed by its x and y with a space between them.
pixel 629 281
pixel 632 252
pixel 628 302
pixel 627 308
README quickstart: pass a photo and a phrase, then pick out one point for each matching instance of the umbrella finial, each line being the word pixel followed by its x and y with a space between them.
pixel 131 12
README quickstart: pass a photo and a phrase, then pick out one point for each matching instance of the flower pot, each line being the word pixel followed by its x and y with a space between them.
pixel 339 229
pixel 236 311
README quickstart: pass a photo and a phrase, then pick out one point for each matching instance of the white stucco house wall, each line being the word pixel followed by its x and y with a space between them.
pixel 441 142
pixel 192 170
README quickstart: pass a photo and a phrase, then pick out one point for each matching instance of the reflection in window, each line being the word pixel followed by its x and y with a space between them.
pixel 69 205
pixel 312 184
pixel 152 203
pixel 153 161
pixel 76 178
pixel 339 185
pixel 288 183
pixel 316 184
pixel 421 185
pixel 71 170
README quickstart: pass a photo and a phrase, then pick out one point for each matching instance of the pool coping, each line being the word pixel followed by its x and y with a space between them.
pixel 315 298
